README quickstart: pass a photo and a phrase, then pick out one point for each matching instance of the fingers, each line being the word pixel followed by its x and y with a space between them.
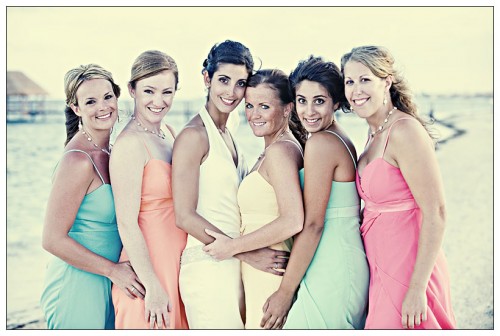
pixel 211 233
pixel 270 323
pixel 140 291
pixel 129 293
pixel 274 271
pixel 265 319
pixel 278 324
pixel 152 320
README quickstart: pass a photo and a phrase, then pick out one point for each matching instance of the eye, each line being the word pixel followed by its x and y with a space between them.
pixel 168 92
pixel 365 79
pixel 148 91
pixel 223 80
pixel 301 100
pixel 90 102
pixel 264 106
pixel 248 106
pixel 241 83
pixel 107 97
pixel 319 101
pixel 349 82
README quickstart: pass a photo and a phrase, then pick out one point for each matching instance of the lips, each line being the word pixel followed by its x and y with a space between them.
pixel 311 121
pixel 359 102
pixel 258 123
pixel 227 102
pixel 155 110
pixel 105 116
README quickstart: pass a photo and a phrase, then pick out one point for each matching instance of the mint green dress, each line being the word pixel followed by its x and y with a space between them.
pixel 75 299
pixel 334 291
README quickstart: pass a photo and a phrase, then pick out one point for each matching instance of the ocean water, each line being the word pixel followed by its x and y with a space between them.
pixel 33 150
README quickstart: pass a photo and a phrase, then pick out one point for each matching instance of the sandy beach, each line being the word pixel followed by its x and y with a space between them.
pixel 466 163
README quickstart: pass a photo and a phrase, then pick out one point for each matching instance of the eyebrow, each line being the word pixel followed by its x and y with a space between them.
pixel 152 87
pixel 94 98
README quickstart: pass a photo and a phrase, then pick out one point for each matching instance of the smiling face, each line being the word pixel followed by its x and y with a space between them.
pixel 265 112
pixel 364 91
pixel 314 106
pixel 153 96
pixel 227 86
pixel 97 104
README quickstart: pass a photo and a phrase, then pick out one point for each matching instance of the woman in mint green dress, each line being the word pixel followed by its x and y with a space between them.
pixel 80 227
pixel 328 264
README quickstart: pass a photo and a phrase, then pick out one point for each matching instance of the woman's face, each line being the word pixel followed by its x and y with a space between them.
pixel 364 91
pixel 154 96
pixel 264 111
pixel 97 104
pixel 314 106
pixel 227 86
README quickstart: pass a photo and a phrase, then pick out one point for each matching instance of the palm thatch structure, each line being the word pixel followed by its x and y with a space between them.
pixel 25 98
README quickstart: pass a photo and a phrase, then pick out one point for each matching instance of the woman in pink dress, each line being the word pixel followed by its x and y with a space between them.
pixel 404 215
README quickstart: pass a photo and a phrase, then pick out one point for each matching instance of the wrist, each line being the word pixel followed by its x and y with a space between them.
pixel 288 290
pixel 234 246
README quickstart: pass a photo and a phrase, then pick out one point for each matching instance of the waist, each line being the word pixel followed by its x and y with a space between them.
pixel 352 211
pixel 400 205
pixel 93 227
pixel 104 243
pixel 156 204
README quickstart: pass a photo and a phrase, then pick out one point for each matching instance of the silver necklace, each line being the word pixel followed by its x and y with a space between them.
pixel 277 138
pixel 381 127
pixel 89 138
pixel 159 134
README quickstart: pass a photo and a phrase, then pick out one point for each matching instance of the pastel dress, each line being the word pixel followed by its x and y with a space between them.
pixel 334 291
pixel 212 290
pixel 73 298
pixel 391 228
pixel 258 207
pixel 164 242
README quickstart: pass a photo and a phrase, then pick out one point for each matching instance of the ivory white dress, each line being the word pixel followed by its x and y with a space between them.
pixel 212 290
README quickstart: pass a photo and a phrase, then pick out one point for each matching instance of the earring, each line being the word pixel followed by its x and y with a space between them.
pixel 350 108
pixel 385 100
pixel 80 124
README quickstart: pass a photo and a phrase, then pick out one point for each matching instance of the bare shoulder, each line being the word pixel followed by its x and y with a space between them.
pixel 284 151
pixel 77 165
pixel 128 144
pixel 193 134
pixel 407 132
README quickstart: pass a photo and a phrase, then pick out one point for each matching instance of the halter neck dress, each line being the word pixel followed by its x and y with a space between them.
pixel 334 291
pixel 73 298
pixel 390 230
pixel 165 242
pixel 212 290
pixel 258 206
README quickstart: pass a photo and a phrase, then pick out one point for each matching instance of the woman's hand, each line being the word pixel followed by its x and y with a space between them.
pixel 414 309
pixel 266 259
pixel 122 275
pixel 276 310
pixel 157 307
pixel 221 248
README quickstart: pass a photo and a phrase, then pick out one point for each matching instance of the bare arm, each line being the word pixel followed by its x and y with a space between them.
pixel 126 170
pixel 414 153
pixel 73 178
pixel 319 170
pixel 282 164
pixel 190 147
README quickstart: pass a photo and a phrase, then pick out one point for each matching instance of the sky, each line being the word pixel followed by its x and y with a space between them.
pixel 441 50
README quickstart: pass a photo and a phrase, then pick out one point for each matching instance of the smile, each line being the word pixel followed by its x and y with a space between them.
pixel 359 102
pixel 155 110
pixel 106 116
pixel 228 101
pixel 259 123
pixel 311 121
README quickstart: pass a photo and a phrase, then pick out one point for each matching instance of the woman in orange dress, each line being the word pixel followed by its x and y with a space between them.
pixel 140 170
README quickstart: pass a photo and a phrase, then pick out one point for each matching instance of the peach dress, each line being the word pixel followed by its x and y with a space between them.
pixel 390 231
pixel 165 244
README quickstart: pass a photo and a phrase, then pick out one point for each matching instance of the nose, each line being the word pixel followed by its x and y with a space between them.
pixel 356 88
pixel 158 100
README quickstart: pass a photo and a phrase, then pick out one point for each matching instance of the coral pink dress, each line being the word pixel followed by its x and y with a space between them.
pixel 165 243
pixel 390 231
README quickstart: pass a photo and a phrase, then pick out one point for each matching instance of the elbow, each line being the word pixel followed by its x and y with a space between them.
pixel 314 226
pixel 49 243
pixel 297 225
pixel 180 221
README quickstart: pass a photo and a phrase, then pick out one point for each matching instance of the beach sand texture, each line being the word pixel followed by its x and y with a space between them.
pixel 466 163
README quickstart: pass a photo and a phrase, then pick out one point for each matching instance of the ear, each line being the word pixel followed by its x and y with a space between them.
pixel 206 79
pixel 388 82
pixel 131 91
pixel 336 106
pixel 287 110
pixel 75 109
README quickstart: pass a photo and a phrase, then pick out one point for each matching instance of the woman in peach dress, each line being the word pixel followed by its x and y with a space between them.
pixel 141 177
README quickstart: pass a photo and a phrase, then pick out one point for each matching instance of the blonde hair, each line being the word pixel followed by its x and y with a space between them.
pixel 150 63
pixel 72 81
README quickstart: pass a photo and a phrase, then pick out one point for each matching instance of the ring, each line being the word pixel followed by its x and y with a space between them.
pixel 133 289
pixel 275 265
pixel 153 317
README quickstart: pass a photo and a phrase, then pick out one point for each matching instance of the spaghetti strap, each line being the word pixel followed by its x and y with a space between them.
pixel 389 132
pixel 95 167
pixel 147 149
pixel 170 130
pixel 338 136
pixel 300 149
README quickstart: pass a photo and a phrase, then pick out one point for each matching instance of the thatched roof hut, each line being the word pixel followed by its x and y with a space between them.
pixel 18 84
pixel 25 98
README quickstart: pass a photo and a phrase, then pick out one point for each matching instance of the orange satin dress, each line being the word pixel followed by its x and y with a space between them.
pixel 165 243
